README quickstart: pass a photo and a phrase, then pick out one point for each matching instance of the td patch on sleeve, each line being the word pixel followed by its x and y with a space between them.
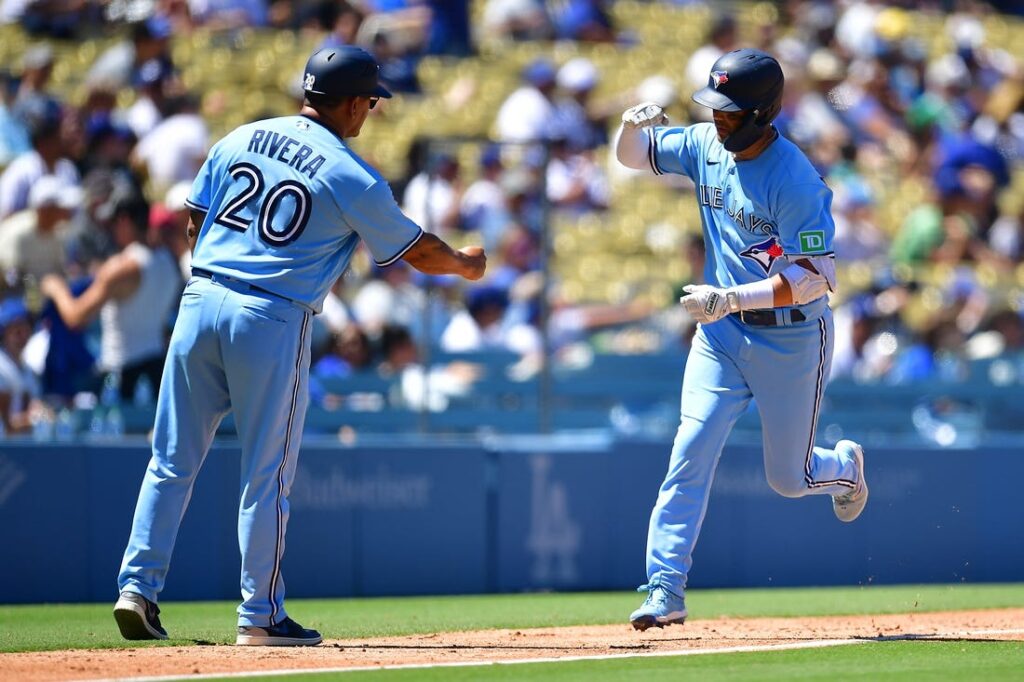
pixel 812 240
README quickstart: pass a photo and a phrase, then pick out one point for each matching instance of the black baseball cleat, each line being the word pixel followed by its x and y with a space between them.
pixel 138 618
pixel 285 633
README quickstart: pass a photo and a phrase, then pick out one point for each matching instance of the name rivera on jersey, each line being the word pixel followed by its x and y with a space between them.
pixel 278 147
pixel 714 197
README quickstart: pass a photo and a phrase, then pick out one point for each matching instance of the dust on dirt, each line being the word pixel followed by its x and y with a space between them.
pixel 486 646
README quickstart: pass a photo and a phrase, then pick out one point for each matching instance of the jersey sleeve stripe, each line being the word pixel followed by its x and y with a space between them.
pixel 192 204
pixel 402 252
pixel 651 153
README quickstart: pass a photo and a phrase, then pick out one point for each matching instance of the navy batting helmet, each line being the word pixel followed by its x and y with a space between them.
pixel 744 80
pixel 343 71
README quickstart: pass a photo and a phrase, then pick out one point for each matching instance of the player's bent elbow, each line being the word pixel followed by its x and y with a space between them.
pixel 804 285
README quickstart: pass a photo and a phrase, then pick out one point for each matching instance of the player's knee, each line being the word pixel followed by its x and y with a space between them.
pixel 788 485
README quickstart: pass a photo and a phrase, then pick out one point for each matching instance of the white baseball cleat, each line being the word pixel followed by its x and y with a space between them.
pixel 849 506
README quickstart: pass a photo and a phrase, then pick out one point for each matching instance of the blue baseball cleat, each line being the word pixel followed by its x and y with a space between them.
pixel 849 506
pixel 285 633
pixel 661 608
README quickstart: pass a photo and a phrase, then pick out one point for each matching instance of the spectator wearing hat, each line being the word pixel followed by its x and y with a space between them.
pixel 108 144
pixel 32 241
pixel 151 85
pixel 432 198
pixel 477 327
pixel 175 149
pixel 484 205
pixel 525 116
pixel 575 114
pixel 36 70
pixel 43 119
pixel 121 63
pixel 19 387
pixel 574 181
pixel 518 253
pixel 133 294
pixel 815 120
pixel 526 202
pixel 90 241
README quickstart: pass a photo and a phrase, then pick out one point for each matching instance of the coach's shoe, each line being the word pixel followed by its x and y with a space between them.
pixel 285 633
pixel 661 608
pixel 849 506
pixel 137 617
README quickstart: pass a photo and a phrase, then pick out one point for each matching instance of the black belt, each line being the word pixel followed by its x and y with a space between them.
pixel 767 318
pixel 206 274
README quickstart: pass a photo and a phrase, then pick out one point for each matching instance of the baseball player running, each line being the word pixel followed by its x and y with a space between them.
pixel 277 210
pixel 765 328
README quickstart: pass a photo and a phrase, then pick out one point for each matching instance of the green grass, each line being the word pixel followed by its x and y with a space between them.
pixel 76 626
pixel 904 661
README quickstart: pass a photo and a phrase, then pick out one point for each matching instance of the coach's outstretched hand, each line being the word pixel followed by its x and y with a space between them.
pixel 432 256
pixel 477 261
pixel 644 115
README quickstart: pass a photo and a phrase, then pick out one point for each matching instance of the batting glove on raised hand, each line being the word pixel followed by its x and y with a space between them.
pixel 707 304
pixel 644 116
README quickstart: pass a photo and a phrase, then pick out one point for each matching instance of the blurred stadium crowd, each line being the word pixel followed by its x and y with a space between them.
pixel 912 111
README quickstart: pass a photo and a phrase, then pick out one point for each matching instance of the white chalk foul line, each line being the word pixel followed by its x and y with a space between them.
pixel 817 644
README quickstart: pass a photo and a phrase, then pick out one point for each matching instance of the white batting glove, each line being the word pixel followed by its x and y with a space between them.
pixel 644 116
pixel 707 304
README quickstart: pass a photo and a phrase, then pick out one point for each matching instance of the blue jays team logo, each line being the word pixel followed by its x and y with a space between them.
pixel 720 77
pixel 764 253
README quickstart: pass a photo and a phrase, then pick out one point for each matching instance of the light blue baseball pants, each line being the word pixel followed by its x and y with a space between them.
pixel 785 370
pixel 235 350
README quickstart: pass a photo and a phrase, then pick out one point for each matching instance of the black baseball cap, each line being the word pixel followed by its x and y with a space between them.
pixel 343 71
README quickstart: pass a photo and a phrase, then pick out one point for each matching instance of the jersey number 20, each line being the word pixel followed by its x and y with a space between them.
pixel 269 205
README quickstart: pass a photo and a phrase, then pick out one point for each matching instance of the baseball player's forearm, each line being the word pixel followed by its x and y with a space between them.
pixel 707 304
pixel 432 256
pixel 631 147
pixel 774 292
pixel 633 141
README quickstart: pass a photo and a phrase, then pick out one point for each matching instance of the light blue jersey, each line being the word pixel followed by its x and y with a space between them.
pixel 753 211
pixel 286 204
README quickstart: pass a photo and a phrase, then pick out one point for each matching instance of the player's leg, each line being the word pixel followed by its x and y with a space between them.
pixel 191 402
pixel 714 395
pixel 788 375
pixel 268 374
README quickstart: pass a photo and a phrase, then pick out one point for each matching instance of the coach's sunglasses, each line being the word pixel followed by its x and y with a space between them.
pixel 373 101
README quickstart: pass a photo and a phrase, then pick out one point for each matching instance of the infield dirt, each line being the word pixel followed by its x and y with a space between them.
pixel 486 646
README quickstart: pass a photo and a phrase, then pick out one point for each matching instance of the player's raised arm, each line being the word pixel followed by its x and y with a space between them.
pixel 633 141
pixel 432 256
